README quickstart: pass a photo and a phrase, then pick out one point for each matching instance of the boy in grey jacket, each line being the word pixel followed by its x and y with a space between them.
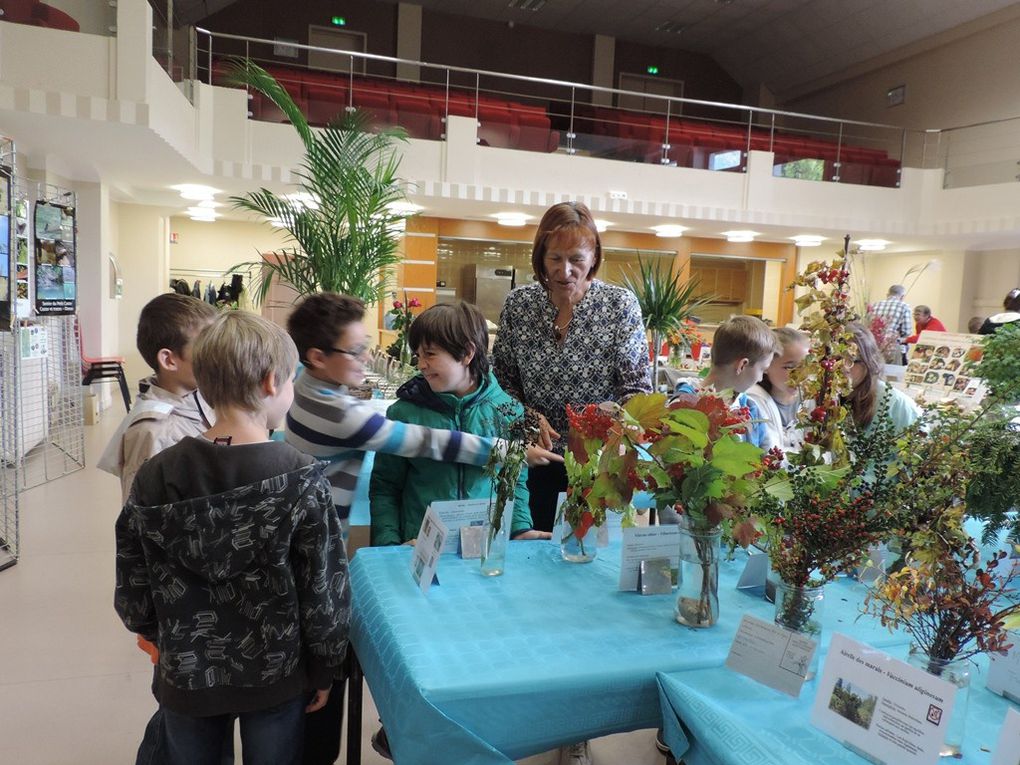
pixel 230 559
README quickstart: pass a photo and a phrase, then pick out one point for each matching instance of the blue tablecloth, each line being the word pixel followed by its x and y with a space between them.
pixel 731 720
pixel 491 670
pixel 360 508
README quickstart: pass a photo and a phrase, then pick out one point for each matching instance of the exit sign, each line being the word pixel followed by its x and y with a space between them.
pixel 338 21
pixel 652 70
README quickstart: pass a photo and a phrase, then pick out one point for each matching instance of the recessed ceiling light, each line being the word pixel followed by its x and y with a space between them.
pixel 669 230
pixel 526 5
pixel 302 199
pixel 671 27
pixel 202 213
pixel 601 225
pixel 740 236
pixel 872 245
pixel 195 191
pixel 211 204
pixel 808 240
pixel 511 218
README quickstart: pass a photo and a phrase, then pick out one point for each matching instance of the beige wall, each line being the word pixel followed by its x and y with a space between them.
pixel 142 253
pixel 965 79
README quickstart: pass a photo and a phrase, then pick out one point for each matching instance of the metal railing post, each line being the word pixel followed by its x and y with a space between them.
pixel 192 53
pixel 750 126
pixel 838 166
pixel 664 159
pixel 210 59
pixel 446 107
pixel 570 131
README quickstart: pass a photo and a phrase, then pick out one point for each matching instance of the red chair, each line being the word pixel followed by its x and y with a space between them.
pixel 326 102
pixel 497 127
pixel 103 369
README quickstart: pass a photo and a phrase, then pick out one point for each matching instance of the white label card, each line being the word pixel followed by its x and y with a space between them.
pixel 427 550
pixel 455 513
pixel 771 655
pixel 1007 751
pixel 1004 674
pixel 892 712
pixel 756 570
pixel 644 543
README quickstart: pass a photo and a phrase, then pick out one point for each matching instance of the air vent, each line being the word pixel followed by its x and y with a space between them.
pixel 671 27
pixel 526 5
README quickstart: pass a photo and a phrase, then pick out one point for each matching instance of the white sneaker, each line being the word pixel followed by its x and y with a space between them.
pixel 576 754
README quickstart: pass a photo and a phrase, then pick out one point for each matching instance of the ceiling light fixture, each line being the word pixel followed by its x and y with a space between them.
pixel 671 27
pixel 740 236
pixel 602 225
pixel 404 208
pixel 514 219
pixel 302 199
pixel 526 5
pixel 669 230
pixel 872 245
pixel 202 213
pixel 808 240
pixel 195 191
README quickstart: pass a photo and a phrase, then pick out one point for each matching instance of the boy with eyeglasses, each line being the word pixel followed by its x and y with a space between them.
pixel 326 422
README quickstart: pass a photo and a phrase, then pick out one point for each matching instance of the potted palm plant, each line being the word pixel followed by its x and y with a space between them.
pixel 343 223
pixel 666 302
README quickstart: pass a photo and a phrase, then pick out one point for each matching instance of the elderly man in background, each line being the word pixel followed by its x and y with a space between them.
pixel 895 314
pixel 924 322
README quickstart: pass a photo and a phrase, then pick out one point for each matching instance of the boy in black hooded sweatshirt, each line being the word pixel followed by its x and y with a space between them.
pixel 230 559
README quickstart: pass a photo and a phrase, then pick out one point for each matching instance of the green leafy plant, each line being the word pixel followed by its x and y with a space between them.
pixel 342 224
pixel 666 301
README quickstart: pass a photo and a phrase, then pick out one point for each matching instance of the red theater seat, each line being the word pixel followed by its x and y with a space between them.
pixel 325 102
pixel 496 127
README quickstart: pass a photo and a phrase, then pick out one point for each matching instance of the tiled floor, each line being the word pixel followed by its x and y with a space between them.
pixel 74 689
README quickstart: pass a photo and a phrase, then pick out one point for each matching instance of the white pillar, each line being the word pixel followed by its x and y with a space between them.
pixel 134 49
pixel 409 40
pixel 602 65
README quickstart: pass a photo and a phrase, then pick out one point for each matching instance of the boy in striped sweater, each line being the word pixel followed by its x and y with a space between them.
pixel 326 422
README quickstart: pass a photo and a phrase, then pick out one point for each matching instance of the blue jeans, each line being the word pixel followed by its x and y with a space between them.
pixel 149 751
pixel 273 736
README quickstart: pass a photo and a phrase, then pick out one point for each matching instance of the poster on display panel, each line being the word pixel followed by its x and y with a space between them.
pixel 939 368
pixel 6 244
pixel 56 273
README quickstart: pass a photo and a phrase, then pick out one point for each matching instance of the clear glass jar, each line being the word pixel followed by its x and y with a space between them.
pixel 799 609
pixel 494 542
pixel 697 603
pixel 956 672
pixel 583 549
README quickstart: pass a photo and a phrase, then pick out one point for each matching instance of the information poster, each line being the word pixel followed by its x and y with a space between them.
pixel 22 260
pixel 938 368
pixel 55 262
pixel 6 243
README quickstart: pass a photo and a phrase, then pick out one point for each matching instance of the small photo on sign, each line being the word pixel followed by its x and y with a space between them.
pixel 49 282
pixel 853 702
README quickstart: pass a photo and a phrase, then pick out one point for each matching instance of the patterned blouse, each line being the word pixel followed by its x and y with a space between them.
pixel 604 356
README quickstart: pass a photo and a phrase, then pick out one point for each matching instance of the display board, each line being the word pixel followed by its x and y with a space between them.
pixel 55 260
pixel 6 245
pixel 938 368
pixel 22 256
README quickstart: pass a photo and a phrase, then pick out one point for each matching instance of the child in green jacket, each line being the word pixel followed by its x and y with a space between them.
pixel 455 391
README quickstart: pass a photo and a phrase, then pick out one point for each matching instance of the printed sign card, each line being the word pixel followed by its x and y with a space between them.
pixel 456 513
pixel 882 707
pixel 756 570
pixel 771 655
pixel 641 543
pixel 1007 751
pixel 939 368
pixel 1004 674
pixel 427 549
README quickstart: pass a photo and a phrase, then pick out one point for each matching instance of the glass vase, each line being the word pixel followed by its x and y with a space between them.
pixel 800 609
pixel 697 603
pixel 494 542
pixel 956 672
pixel 579 549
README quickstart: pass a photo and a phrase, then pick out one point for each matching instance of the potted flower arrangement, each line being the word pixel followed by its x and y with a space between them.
pixel 401 318
pixel 825 508
pixel 685 338
pixel 595 460
pixel 953 464
pixel 699 466
pixel 518 432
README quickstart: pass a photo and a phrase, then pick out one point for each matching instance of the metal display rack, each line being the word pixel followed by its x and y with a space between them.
pixel 42 423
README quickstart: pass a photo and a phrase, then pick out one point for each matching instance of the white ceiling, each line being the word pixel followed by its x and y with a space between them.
pixel 787 45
